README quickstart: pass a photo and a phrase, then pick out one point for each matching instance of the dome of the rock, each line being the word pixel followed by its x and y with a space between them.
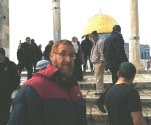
pixel 101 23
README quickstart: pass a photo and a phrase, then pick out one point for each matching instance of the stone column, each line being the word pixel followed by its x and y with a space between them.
pixel 4 25
pixel 56 20
pixel 134 46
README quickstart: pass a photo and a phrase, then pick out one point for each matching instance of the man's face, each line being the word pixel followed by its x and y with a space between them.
pixel 2 58
pixel 64 63
pixel 74 39
pixel 94 38
pixel 28 40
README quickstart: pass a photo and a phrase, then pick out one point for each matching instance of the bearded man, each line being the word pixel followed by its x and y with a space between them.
pixel 51 96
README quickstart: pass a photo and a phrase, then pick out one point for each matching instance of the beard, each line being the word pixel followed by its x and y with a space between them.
pixel 65 68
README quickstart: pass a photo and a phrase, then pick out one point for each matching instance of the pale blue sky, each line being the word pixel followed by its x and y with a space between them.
pixel 33 18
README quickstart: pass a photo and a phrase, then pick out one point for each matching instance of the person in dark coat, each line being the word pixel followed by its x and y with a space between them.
pixel 79 60
pixel 25 57
pixel 48 50
pixel 114 52
pixel 37 54
pixel 9 81
pixel 51 96
pixel 86 46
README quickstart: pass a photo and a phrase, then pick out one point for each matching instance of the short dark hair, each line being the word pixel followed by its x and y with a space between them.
pixel 27 37
pixel 87 36
pixel 116 28
pixel 32 40
pixel 127 70
pixel 94 33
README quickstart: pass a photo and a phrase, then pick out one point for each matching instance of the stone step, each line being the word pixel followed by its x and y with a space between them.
pixel 145 96
pixel 96 117
pixel 141 81
pixel 92 85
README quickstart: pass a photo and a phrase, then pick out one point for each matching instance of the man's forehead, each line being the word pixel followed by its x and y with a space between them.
pixel 67 48
pixel 92 35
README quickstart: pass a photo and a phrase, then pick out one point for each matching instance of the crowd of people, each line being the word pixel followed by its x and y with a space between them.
pixel 51 94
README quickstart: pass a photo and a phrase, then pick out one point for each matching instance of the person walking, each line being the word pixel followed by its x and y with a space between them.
pixel 86 46
pixel 36 52
pixel 98 61
pixel 48 50
pixel 9 81
pixel 114 52
pixel 51 96
pixel 78 61
pixel 25 57
pixel 122 100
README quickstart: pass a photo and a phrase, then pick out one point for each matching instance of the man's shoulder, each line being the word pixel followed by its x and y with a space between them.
pixel 9 63
pixel 100 41
pixel 124 87
pixel 12 65
pixel 26 94
pixel 113 37
pixel 34 81
pixel 22 44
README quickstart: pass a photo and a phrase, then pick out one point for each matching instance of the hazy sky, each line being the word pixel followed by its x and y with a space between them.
pixel 33 18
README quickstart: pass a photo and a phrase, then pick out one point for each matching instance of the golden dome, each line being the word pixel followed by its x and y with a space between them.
pixel 101 23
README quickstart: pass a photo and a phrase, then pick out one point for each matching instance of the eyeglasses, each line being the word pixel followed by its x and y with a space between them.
pixel 64 55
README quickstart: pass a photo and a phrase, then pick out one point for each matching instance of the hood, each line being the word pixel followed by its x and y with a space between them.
pixel 53 73
pixel 48 72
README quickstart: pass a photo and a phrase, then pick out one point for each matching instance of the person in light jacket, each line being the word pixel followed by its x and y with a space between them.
pixel 98 61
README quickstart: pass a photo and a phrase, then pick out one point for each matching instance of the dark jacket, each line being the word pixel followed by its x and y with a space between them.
pixel 37 53
pixel 80 54
pixel 114 51
pixel 25 53
pixel 9 78
pixel 47 51
pixel 48 98
pixel 86 46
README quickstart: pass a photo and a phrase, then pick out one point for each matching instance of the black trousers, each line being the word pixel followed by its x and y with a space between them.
pixel 34 65
pixel 114 80
pixel 28 67
pixel 114 71
pixel 5 103
pixel 77 71
pixel 87 57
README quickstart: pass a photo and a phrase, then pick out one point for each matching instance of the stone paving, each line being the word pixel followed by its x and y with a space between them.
pixel 142 77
